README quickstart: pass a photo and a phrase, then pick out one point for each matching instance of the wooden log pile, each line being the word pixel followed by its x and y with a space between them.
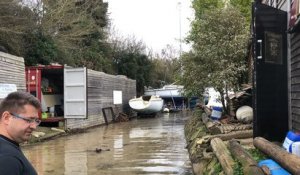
pixel 122 117
pixel 224 154
pixel 224 129
pixel 221 144
pixel 216 127
pixel 241 98
pixel 220 133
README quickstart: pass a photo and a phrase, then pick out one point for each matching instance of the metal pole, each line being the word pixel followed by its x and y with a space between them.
pixel 180 46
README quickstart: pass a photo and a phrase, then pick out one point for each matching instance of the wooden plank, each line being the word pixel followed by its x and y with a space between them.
pixel 223 155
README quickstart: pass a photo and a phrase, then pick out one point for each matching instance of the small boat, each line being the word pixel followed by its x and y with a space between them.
pixel 172 95
pixel 141 106
pixel 171 90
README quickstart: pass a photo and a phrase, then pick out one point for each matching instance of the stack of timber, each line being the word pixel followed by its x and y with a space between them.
pixel 218 148
pixel 226 146
pixel 122 117
pixel 216 127
pixel 241 98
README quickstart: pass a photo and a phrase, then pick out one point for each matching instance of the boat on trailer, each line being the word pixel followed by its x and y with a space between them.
pixel 171 90
pixel 152 106
pixel 172 95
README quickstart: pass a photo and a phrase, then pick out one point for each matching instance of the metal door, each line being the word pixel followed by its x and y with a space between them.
pixel 270 94
pixel 75 96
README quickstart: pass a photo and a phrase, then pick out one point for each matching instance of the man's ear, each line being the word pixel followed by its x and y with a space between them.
pixel 5 117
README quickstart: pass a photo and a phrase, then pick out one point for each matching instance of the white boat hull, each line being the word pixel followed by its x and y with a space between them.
pixel 154 105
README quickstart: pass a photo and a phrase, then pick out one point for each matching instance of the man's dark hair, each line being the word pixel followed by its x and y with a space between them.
pixel 16 101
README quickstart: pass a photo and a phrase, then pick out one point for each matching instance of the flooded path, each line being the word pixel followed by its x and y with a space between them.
pixel 141 146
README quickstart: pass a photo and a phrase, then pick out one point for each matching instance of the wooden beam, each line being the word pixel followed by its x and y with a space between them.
pixel 229 136
pixel 249 164
pixel 223 155
pixel 287 160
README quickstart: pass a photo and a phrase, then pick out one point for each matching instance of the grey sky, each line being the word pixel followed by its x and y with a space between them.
pixel 156 22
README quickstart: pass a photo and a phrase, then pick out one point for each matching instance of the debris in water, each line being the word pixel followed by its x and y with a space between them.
pixel 98 150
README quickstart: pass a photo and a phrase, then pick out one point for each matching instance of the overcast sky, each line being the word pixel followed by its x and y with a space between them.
pixel 156 22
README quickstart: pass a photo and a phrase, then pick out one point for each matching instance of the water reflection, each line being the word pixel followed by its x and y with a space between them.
pixel 141 146
pixel 118 147
pixel 75 158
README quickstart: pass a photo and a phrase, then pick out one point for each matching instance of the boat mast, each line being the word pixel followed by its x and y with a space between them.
pixel 173 99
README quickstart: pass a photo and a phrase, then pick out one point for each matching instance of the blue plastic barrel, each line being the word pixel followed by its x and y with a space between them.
pixel 289 139
pixel 274 168
pixel 295 148
pixel 216 113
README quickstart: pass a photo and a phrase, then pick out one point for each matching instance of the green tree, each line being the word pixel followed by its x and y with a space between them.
pixel 130 59
pixel 95 54
pixel 78 29
pixel 135 66
pixel 219 40
pixel 245 7
pixel 72 22
pixel 16 21
pixel 202 6
pixel 164 67
pixel 68 32
pixel 41 49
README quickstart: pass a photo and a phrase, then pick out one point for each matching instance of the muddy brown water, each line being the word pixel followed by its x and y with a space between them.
pixel 141 146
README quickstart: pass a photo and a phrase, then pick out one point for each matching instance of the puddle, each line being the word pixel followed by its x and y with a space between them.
pixel 140 146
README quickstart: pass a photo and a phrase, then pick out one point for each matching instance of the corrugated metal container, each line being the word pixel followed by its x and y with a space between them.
pixel 79 95
pixel 101 93
pixel 12 72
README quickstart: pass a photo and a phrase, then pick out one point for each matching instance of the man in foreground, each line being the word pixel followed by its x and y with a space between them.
pixel 18 118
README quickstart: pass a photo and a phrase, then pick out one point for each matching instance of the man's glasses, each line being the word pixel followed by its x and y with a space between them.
pixel 28 120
